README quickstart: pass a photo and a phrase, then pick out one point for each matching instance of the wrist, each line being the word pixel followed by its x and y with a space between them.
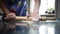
pixel 7 13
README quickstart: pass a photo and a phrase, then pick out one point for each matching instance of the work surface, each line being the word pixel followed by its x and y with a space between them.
pixel 41 27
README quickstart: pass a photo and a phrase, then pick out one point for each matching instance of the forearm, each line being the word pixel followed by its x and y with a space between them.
pixel 4 8
pixel 36 6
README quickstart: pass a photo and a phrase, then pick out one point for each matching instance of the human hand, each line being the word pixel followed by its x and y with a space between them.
pixel 35 17
pixel 11 16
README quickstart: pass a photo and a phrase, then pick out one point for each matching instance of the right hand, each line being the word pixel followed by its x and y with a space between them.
pixel 35 17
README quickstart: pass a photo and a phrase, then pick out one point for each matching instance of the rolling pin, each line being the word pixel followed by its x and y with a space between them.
pixel 30 18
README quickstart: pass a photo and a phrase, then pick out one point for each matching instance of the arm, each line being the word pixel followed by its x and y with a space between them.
pixel 4 8
pixel 35 15
pixel 36 6
pixel 6 11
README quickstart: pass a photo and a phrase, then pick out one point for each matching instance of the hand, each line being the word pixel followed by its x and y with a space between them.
pixel 35 17
pixel 11 16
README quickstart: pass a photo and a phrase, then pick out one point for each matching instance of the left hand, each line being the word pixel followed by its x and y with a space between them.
pixel 11 16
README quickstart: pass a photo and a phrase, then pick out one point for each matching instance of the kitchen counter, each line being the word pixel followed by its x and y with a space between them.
pixel 41 27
